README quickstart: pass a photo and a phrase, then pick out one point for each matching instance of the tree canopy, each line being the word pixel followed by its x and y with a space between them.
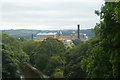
pixel 12 56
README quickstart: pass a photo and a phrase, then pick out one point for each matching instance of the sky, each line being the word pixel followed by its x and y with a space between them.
pixel 49 14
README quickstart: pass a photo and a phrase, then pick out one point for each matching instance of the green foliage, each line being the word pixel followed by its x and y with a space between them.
pixel 29 47
pixel 49 55
pixel 40 60
pixel 117 12
pixel 97 12
pixel 77 42
pixel 110 37
pixel 58 74
pixel 96 58
pixel 73 58
pixel 103 60
pixel 97 29
pixel 69 47
pixel 55 62
pixel 12 56
pixel 9 64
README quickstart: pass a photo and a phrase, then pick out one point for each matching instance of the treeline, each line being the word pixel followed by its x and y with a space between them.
pixel 97 58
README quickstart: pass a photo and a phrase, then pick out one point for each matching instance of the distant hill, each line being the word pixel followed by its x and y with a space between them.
pixel 27 34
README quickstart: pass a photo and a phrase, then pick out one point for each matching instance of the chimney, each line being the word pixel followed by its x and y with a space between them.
pixel 32 36
pixel 78 31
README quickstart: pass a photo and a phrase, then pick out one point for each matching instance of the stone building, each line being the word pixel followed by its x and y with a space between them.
pixel 66 39
pixel 42 36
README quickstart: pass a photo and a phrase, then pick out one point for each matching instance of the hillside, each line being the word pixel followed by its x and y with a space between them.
pixel 27 34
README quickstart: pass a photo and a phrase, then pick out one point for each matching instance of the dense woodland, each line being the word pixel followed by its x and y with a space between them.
pixel 98 57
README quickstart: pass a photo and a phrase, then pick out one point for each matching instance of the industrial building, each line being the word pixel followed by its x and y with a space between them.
pixel 66 39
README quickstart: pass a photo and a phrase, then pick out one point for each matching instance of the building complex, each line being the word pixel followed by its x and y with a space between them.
pixel 66 39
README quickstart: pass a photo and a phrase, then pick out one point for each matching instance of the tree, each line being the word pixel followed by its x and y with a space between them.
pixel 9 64
pixel 73 62
pixel 28 47
pixel 47 53
pixel 77 42
pixel 12 55
pixel 103 60
pixel 55 66
pixel 117 12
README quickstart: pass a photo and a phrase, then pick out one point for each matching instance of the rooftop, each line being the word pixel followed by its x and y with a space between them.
pixel 50 33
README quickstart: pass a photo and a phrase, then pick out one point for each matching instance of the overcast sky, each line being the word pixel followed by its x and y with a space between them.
pixel 49 14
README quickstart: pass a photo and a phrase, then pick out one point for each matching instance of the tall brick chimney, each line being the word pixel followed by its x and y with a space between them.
pixel 32 37
pixel 78 31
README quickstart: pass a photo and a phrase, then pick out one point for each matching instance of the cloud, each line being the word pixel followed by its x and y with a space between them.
pixel 49 13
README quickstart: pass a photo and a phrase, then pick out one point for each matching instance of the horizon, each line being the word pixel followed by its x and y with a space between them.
pixel 44 29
